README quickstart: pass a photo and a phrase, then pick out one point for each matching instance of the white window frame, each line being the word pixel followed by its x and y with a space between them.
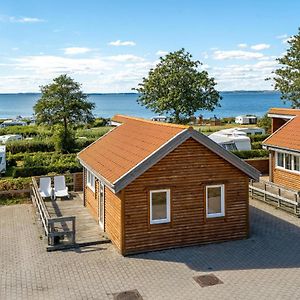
pixel 292 170
pixel 168 218
pixel 90 180
pixel 222 213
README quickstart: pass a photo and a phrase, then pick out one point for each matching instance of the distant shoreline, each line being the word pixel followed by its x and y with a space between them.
pixel 130 93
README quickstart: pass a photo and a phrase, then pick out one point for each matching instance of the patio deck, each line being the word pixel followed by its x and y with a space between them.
pixel 88 231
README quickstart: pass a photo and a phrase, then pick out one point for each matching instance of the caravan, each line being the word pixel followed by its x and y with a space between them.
pixel 2 159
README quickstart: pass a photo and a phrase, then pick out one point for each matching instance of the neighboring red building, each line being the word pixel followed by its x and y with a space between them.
pixel 153 185
pixel 284 147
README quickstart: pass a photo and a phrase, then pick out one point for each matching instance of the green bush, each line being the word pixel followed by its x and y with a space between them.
pixel 82 143
pixel 258 137
pixel 246 154
pixel 93 133
pixel 256 145
pixel 47 159
pixel 7 184
pixel 44 170
pixel 27 131
pixel 64 141
pixel 15 147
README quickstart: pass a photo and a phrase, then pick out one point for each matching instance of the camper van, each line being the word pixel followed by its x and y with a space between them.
pixel 246 119
pixel 8 123
pixel 232 139
pixel 2 159
pixel 10 137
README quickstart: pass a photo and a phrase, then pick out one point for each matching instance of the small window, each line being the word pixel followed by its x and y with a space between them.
pixel 288 161
pixel 159 206
pixel 215 206
pixel 297 163
pixel 280 159
pixel 90 180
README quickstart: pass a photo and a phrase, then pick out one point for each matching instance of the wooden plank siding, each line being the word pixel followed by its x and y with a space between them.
pixel 284 178
pixel 91 200
pixel 185 171
pixel 112 211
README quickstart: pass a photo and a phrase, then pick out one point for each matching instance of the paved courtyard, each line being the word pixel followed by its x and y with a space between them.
pixel 266 266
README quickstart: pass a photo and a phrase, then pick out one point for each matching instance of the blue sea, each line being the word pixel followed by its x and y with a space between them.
pixel 233 104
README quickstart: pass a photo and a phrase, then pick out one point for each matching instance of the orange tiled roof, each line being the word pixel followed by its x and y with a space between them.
pixel 114 154
pixel 288 135
pixel 284 111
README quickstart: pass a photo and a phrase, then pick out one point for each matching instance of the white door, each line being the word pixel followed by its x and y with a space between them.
pixel 101 205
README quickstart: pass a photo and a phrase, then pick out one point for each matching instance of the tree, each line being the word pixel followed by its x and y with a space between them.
pixel 287 77
pixel 62 102
pixel 265 122
pixel 177 87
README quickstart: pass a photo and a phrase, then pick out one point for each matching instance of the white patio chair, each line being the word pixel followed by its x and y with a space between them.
pixel 45 188
pixel 60 188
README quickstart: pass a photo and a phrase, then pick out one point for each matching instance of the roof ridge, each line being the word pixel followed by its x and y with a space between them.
pixel 149 121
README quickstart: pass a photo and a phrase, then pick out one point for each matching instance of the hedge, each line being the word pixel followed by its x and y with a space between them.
pixel 258 137
pixel 251 153
pixel 7 184
pixel 44 170
pixel 256 145
pixel 27 131
pixel 15 147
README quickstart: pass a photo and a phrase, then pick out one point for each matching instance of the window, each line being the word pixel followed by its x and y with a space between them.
pixel 280 159
pixel 288 161
pixel 229 147
pixel 90 180
pixel 215 206
pixel 159 206
pixel 297 163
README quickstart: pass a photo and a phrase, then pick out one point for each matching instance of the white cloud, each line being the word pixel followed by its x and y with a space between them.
pixel 161 53
pixel 119 43
pixel 236 54
pixel 12 19
pixel 281 36
pixel 76 50
pixel 260 46
pixel 242 45
pixel 125 58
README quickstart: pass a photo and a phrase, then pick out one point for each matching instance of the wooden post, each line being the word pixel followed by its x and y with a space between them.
pixel 74 231
pixel 265 189
pixel 279 194
pixel 296 205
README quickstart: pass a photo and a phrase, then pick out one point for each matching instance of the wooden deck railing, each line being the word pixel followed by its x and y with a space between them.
pixel 276 195
pixel 53 227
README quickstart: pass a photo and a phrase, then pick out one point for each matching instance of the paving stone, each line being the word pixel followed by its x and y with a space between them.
pixel 265 266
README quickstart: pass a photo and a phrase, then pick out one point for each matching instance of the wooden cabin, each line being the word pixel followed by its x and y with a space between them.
pixel 153 185
pixel 284 147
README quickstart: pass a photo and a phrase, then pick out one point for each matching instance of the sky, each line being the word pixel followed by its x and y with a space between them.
pixel 109 46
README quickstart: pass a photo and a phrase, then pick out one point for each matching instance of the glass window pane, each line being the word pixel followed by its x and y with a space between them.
pixel 159 205
pixel 297 163
pixel 280 159
pixel 214 200
pixel 288 161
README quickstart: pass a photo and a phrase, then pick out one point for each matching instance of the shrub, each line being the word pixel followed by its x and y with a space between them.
pixel 258 137
pixel 15 147
pixel 82 143
pixel 7 184
pixel 44 170
pixel 93 133
pixel 64 140
pixel 256 145
pixel 246 154
pixel 27 131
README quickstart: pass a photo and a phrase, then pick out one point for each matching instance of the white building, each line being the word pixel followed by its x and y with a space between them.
pixel 246 119
pixel 2 159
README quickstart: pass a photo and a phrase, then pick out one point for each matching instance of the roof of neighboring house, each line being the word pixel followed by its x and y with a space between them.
pixel 284 111
pixel 130 149
pixel 287 136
